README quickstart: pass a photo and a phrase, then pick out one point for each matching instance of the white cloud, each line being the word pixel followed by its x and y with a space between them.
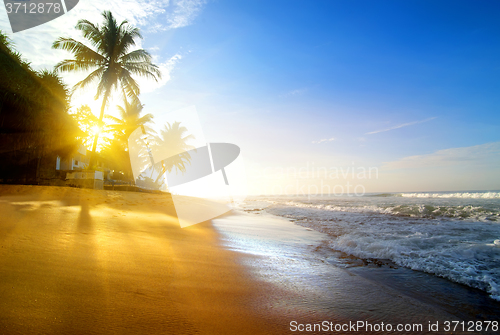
pixel 36 44
pixel 166 68
pixel 400 126
pixel 324 140
pixel 488 153
pixel 298 91
pixel 183 13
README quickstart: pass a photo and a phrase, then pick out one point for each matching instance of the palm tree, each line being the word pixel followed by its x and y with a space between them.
pixel 87 122
pixel 110 59
pixel 172 141
pixel 130 119
pixel 123 127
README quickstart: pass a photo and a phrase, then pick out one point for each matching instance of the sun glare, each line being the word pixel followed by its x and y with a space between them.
pixel 95 130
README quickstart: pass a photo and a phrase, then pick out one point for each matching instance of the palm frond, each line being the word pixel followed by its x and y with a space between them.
pixel 80 50
pixel 70 65
pixel 127 37
pixel 139 55
pixel 143 69
pixel 112 118
pixel 107 83
pixel 90 31
pixel 91 78
pixel 129 85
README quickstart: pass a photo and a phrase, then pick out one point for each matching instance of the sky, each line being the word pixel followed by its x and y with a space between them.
pixel 321 96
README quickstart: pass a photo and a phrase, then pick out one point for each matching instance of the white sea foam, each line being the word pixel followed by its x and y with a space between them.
pixel 464 195
pixel 460 212
pixel 455 238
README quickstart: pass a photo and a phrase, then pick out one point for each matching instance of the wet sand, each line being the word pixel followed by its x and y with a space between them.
pixel 76 261
pixel 299 260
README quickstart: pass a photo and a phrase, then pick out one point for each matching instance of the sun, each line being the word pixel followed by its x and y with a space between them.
pixel 95 130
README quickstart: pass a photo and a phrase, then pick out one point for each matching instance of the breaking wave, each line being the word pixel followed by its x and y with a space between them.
pixel 451 235
pixel 445 195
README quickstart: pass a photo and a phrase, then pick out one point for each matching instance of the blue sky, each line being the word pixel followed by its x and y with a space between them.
pixel 409 87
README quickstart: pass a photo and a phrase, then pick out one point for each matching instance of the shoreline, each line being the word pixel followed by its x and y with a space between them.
pixel 92 262
pixel 368 292
pixel 77 261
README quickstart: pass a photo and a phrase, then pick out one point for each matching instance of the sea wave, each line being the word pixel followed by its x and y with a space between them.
pixel 463 251
pixel 463 195
pixel 385 195
pixel 466 262
pixel 458 212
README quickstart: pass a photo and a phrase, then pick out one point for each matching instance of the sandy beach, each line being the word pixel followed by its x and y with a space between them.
pixel 78 261
pixel 249 167
pixel 297 260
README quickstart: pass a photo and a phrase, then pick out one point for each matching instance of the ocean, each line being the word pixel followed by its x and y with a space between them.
pixel 452 235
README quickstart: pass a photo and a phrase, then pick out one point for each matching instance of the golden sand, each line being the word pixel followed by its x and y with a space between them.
pixel 77 261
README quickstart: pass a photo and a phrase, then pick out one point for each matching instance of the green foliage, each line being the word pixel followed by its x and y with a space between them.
pixel 34 122
pixel 86 122
pixel 130 119
pixel 109 58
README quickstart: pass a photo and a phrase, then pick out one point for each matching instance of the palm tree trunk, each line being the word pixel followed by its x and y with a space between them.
pixel 162 172
pixel 96 136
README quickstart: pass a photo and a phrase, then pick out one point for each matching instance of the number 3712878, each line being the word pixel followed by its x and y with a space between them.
pixel 33 8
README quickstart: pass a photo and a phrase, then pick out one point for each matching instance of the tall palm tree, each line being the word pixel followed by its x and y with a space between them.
pixel 172 141
pixel 130 119
pixel 110 58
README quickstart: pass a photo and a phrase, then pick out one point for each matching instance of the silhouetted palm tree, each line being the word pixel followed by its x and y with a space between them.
pixel 87 122
pixel 172 142
pixel 130 119
pixel 110 59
